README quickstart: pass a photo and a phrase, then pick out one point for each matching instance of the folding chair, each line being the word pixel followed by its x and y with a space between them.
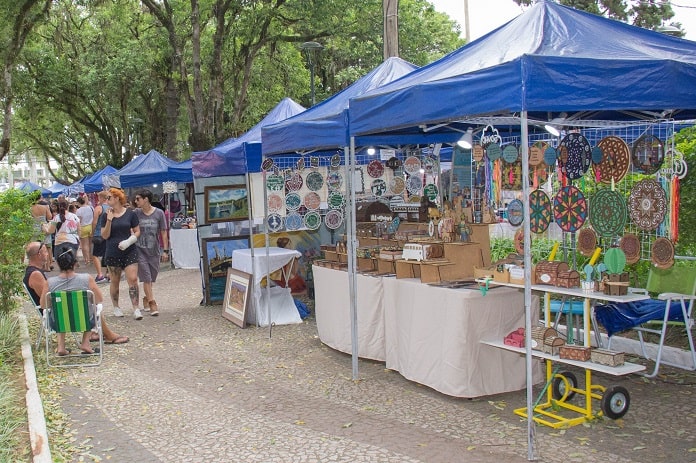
pixel 72 312
pixel 676 289
pixel 39 311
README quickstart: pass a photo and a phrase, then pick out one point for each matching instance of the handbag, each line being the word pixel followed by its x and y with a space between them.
pixel 97 240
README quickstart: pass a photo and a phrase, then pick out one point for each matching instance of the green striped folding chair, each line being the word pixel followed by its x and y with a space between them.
pixel 72 312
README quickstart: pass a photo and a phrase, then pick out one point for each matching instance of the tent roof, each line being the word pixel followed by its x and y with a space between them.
pixel 551 58
pixel 94 182
pixel 31 186
pixel 181 172
pixel 142 170
pixel 325 126
pixel 237 156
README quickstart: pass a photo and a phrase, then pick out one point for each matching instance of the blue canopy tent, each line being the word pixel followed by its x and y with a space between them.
pixel 181 172
pixel 143 170
pixel 237 156
pixel 30 186
pixel 325 126
pixel 57 189
pixel 94 182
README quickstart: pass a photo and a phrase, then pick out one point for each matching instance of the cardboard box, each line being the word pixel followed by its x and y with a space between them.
pixel 431 272
pixel 331 256
pixel 385 267
pixel 502 276
pixel 367 264
pixel 406 269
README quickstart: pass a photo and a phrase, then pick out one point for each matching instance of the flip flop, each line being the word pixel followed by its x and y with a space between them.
pixel 155 313
pixel 63 354
pixel 118 340
pixel 94 337
pixel 94 351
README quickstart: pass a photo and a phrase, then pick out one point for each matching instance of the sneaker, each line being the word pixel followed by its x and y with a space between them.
pixel 101 279
pixel 146 305
pixel 154 311
pixel 118 312
pixel 137 314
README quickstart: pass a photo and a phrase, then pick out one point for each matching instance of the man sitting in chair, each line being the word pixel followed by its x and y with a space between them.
pixel 36 283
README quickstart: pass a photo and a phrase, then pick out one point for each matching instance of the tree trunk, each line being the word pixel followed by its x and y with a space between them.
pixel 391 27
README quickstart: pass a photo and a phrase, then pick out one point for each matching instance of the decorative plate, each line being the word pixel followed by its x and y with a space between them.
pixel 312 201
pixel 394 162
pixel 477 153
pixel 430 191
pixel 335 161
pixel 312 220
pixel 510 154
pixel 540 211
pixel 293 201
pixel 515 213
pixel 267 164
pixel 536 153
pixel 397 185
pixel 275 182
pixel 608 212
pixel 274 222
pixel 334 181
pixel 375 168
pixel 615 160
pixel 378 187
pixel 314 181
pixel 412 165
pixel 662 254
pixel 630 245
pixel 333 219
pixel 575 155
pixel 414 184
pixel 647 204
pixel 336 200
pixel 570 209
pixel 275 203
pixel 493 151
pixel 429 164
pixel 293 181
pixel 648 154
pixel 550 156
pixel 293 221
pixel 587 241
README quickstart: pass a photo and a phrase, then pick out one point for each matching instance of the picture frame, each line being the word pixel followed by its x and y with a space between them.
pixel 217 258
pixel 225 203
pixel 237 291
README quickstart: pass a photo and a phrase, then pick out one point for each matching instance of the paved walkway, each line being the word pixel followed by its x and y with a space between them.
pixel 192 387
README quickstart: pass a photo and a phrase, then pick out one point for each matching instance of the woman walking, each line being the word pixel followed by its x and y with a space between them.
pixel 153 228
pixel 66 227
pixel 85 212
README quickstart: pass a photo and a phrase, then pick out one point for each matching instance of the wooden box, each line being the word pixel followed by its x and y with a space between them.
pixel 553 344
pixel 616 284
pixel 386 254
pixel 568 279
pixel 546 272
pixel 539 333
pixel 607 357
pixel 579 353
pixel 331 256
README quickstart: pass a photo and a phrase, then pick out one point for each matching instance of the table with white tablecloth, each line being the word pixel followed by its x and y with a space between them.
pixel 183 245
pixel 280 308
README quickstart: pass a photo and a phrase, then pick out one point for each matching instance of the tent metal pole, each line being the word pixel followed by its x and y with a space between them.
pixel 247 177
pixel 352 259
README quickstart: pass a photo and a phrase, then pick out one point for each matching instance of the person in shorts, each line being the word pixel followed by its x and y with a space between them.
pixel 153 228
pixel 98 242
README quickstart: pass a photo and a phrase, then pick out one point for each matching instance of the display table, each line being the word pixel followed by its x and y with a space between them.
pixel 281 309
pixel 332 311
pixel 183 245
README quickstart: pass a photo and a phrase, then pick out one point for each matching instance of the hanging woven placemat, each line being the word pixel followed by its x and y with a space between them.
pixel 575 155
pixel 608 212
pixel 647 204
pixel 587 241
pixel 616 159
pixel 536 153
pixel 662 254
pixel 630 245
pixel 648 154
pixel 540 211
pixel 570 209
pixel 515 213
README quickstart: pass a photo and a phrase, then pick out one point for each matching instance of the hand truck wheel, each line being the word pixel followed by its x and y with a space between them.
pixel 560 382
pixel 615 402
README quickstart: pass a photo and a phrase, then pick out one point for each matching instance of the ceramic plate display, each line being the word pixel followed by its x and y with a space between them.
pixel 314 181
pixel 312 220
pixel 394 162
pixel 274 222
pixel 375 168
pixel 647 204
pixel 412 165
pixel 397 185
pixel 570 209
pixel 333 219
pixel 615 160
pixel 414 184
pixel 267 164
pixel 477 153
pixel 493 151
pixel 293 221
pixel 275 182
pixel 608 212
pixel 336 200
pixel 662 254
pixel 430 191
pixel 510 154
pixel 335 161
pixel 429 164
pixel 630 245
pixel 312 201
pixel 514 212
pixel 275 202
pixel 378 187
pixel 575 155
pixel 293 201
pixel 293 181
pixel 587 241
pixel 648 154
pixel 550 156
pixel 540 211
pixel 536 153
pixel 314 161
pixel 334 181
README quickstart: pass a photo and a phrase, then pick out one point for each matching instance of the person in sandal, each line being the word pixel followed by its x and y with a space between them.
pixel 153 228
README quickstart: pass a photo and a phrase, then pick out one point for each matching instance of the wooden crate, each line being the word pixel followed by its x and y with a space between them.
pixel 579 353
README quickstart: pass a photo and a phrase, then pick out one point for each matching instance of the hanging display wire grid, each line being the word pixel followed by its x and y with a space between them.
pixel 588 185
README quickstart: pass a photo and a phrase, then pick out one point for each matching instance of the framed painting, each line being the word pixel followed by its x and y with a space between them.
pixel 225 203
pixel 217 259
pixel 236 299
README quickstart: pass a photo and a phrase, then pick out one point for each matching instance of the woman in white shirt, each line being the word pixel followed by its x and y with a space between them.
pixel 66 226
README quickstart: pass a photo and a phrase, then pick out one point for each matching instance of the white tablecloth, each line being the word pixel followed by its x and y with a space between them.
pixel 282 306
pixel 332 311
pixel 183 244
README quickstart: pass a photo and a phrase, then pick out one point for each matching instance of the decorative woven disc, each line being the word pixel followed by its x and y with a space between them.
pixel 275 203
pixel 414 184
pixel 575 155
pixel 519 241
pixel 275 182
pixel 477 152
pixel 550 156
pixel 312 220
pixel 587 241
pixel 514 212
pixel 615 160
pixel 647 204
pixel 334 181
pixel 336 200
pixel 539 211
pixel 510 154
pixel 608 212
pixel 412 165
pixel 648 154
pixel 275 222
pixel 429 164
pixel 335 161
pixel 333 219
pixel 630 244
pixel 570 209
pixel 536 153
pixel 312 201
pixel 293 181
pixel 493 151
pixel 375 168
pixel 293 201
pixel 378 187
pixel 314 181
pixel 293 221
pixel 430 190
pixel 397 185
pixel 662 253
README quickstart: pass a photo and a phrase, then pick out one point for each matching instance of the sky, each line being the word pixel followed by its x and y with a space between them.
pixel 486 15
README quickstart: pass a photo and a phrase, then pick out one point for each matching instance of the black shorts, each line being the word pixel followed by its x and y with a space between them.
pixel 98 246
pixel 123 260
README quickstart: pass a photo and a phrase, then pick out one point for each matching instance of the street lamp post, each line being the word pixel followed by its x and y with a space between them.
pixel 310 49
